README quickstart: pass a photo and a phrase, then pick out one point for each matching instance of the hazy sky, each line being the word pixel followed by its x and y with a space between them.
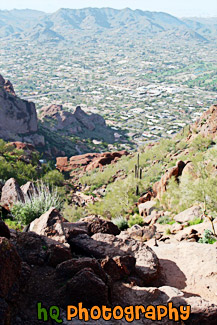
pixel 179 8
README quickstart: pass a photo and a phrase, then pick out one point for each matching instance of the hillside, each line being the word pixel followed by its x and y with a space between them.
pixel 69 24
pixel 133 228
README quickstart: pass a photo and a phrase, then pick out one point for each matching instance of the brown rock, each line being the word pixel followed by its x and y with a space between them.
pixel 57 252
pixel 29 189
pixel 190 214
pixel 146 208
pixel 17 116
pixel 146 197
pixel 62 164
pixel 88 288
pixel 119 267
pixel 10 266
pixel 11 192
pixel 69 268
pixel 50 224
pixel 102 245
pixel 40 250
pixel 160 187
pixel 176 227
pixel 89 161
pixel 99 225
pixel 207 124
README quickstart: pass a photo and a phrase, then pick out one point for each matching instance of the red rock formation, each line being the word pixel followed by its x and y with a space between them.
pixel 160 187
pixel 89 161
pixel 17 116
pixel 207 124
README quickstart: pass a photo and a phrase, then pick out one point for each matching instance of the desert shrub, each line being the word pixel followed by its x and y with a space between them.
pixel 73 213
pixel 119 198
pixel 196 221
pixel 165 220
pixel 192 191
pixel 36 204
pixel 201 143
pixel 18 169
pixel 13 224
pixel 135 220
pixel 53 178
pixel 207 238
pixel 120 222
pixel 168 231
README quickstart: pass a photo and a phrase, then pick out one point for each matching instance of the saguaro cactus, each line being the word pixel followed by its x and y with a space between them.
pixel 138 174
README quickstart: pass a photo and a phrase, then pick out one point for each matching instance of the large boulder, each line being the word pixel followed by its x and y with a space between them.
pixel 29 189
pixel 102 245
pixel 146 208
pixel 88 288
pixel 85 280
pixel 11 192
pixel 50 224
pixel 98 225
pixel 119 267
pixel 40 250
pixel 67 269
pixel 190 214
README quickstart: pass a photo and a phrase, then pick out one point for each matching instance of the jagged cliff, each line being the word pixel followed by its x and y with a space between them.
pixel 18 118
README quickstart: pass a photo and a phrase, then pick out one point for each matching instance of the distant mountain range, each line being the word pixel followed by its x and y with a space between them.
pixel 70 24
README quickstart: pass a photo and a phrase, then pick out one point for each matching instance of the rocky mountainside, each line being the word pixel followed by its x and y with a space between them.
pixel 57 132
pixel 78 123
pixel 147 235
pixel 18 118
pixel 61 25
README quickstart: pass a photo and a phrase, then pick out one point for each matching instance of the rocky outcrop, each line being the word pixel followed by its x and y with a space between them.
pixel 50 224
pixel 89 161
pixel 160 187
pixel 190 214
pixel 29 189
pixel 11 193
pixel 207 124
pixel 17 116
pixel 71 123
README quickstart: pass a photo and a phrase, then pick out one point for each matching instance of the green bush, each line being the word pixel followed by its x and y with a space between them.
pixel 196 221
pixel 165 220
pixel 207 238
pixel 53 178
pixel 36 204
pixel 73 213
pixel 135 220
pixel 120 222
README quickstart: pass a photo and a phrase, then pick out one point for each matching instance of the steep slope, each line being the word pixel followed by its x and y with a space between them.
pixel 177 173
